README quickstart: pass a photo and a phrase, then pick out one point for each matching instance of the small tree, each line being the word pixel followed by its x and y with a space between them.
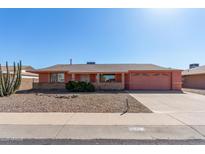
pixel 10 82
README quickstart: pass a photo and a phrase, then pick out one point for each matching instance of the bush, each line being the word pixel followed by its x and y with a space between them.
pixel 79 86
pixel 90 87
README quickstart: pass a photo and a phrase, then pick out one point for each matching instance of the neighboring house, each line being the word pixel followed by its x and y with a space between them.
pixel 27 77
pixel 194 78
pixel 110 76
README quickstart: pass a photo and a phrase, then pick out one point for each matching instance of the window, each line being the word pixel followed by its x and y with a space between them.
pixel 57 77
pixel 107 78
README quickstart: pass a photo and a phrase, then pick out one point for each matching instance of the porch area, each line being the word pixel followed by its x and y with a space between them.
pixel 101 81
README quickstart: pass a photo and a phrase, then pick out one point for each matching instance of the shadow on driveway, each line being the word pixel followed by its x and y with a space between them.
pixel 156 92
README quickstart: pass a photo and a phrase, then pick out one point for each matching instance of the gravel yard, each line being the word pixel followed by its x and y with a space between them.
pixel 67 102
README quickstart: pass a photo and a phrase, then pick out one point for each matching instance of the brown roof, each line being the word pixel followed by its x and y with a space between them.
pixel 11 68
pixel 24 68
pixel 29 74
pixel 194 71
pixel 101 67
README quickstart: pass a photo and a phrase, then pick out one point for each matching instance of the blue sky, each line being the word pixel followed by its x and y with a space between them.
pixel 43 37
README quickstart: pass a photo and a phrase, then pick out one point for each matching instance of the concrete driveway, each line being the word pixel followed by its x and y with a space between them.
pixel 187 108
pixel 171 102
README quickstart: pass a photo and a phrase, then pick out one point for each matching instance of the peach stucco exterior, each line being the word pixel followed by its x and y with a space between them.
pixel 194 81
pixel 131 80
pixel 44 77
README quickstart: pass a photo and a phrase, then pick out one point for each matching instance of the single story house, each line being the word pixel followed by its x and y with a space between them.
pixel 27 77
pixel 110 76
pixel 194 78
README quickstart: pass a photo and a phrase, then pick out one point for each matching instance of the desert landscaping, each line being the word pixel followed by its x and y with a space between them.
pixel 54 101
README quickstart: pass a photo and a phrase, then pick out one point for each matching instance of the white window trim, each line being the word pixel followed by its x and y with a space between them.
pixel 57 76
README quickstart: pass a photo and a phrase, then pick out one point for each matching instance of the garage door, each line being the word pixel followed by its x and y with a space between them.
pixel 150 81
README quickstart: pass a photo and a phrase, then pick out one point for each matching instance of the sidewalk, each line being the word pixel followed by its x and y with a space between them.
pixel 99 126
pixel 87 119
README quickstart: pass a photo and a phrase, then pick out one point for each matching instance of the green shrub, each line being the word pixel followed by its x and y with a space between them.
pixel 90 87
pixel 70 85
pixel 79 86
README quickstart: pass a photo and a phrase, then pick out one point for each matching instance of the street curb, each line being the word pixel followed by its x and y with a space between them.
pixel 16 141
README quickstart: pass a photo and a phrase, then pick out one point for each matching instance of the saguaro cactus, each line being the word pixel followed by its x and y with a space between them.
pixel 10 80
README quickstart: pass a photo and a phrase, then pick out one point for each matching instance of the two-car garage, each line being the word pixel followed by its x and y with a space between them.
pixel 153 80
pixel 149 81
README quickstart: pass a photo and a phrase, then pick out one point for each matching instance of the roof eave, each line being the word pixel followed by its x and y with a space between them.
pixel 45 71
pixel 186 74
